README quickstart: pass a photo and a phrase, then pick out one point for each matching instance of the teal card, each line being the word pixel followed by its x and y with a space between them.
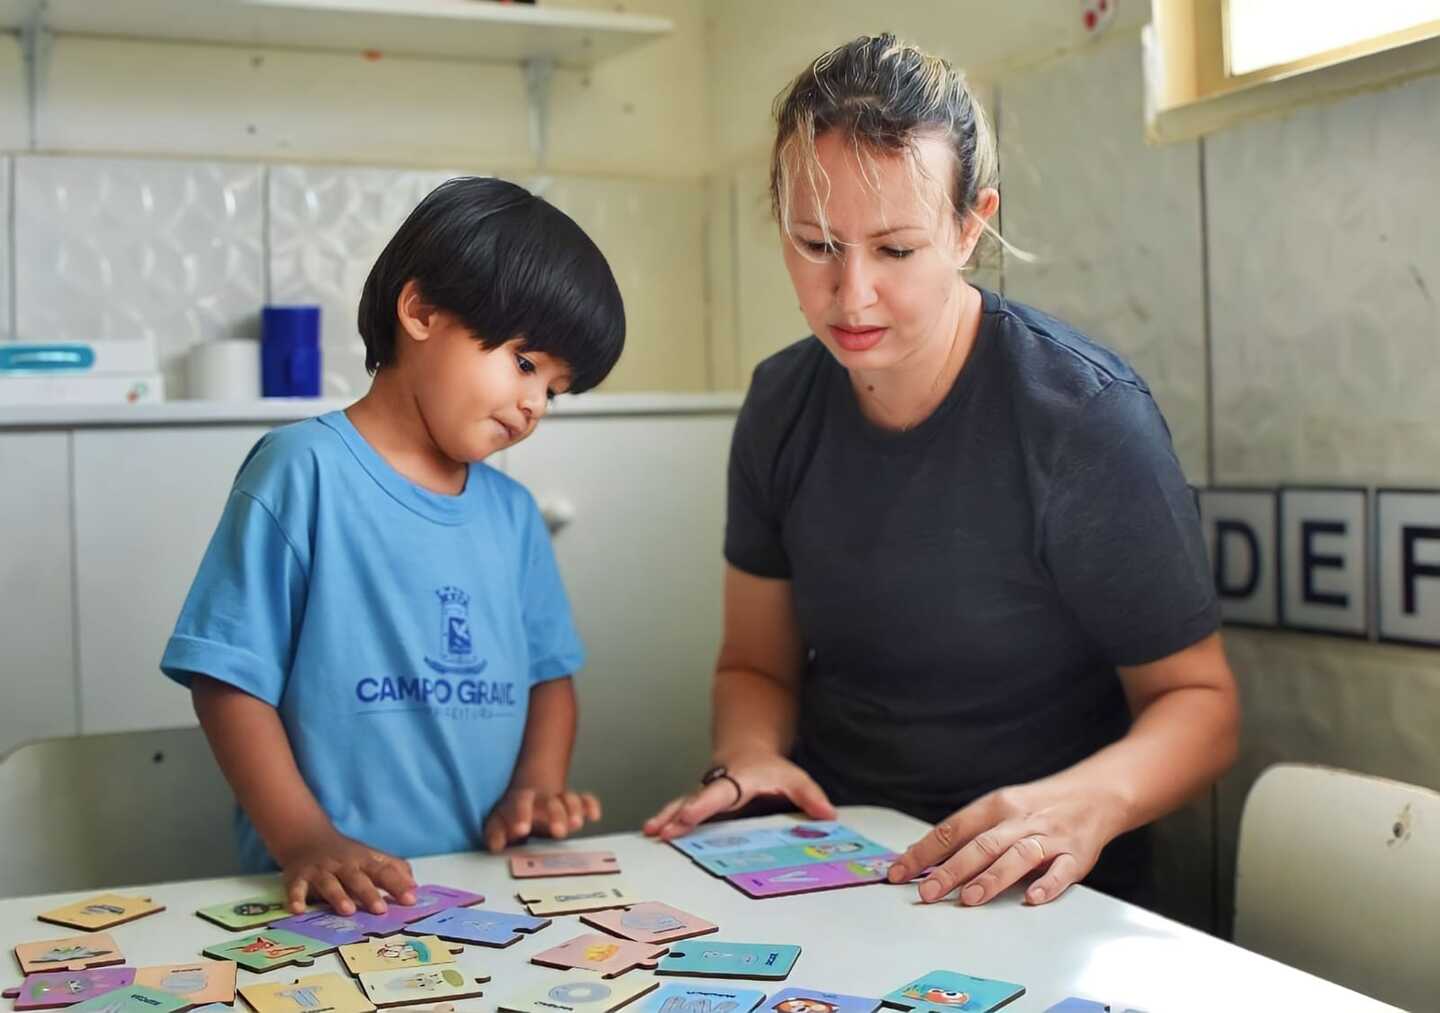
pixel 951 991
pixel 713 958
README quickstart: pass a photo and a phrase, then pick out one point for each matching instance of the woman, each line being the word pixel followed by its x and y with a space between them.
pixel 965 573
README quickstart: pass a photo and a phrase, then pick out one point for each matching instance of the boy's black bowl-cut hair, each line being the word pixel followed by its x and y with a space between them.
pixel 508 265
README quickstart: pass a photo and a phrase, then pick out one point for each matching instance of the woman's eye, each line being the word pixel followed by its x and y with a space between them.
pixel 823 249
pixel 897 252
pixel 526 366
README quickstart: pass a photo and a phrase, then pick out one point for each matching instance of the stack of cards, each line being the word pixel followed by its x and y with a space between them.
pixel 800 858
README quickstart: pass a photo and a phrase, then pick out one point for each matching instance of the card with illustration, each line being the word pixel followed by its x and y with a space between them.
pixel 102 912
pixel 1077 1004
pixel 941 991
pixel 679 997
pixel 480 926
pixel 579 992
pixel 397 951
pixel 533 864
pixel 575 901
pixel 605 955
pixel 783 858
pixel 797 879
pixel 272 948
pixel 200 982
pixel 53 989
pixel 808 1000
pixel 725 842
pixel 74 953
pixel 248 912
pixel 421 984
pixel 432 898
pixel 650 922
pixel 333 929
pixel 133 999
pixel 711 958
pixel 320 993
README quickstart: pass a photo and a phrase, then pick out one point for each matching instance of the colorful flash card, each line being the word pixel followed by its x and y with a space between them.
pixel 432 898
pixel 421 984
pixel 797 879
pixel 714 959
pixel 272 948
pixel 575 901
pixel 780 858
pixel 941 991
pixel 679 997
pixel 533 864
pixel 53 989
pixel 580 992
pixel 1076 1004
pixel 397 952
pixel 248 912
pixel 72 954
pixel 807 1000
pixel 204 981
pixel 722 842
pixel 478 925
pixel 605 955
pixel 321 993
pixel 650 922
pixel 102 912
pixel 328 927
pixel 133 999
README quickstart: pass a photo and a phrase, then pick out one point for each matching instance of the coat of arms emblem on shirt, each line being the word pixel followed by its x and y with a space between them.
pixel 456 654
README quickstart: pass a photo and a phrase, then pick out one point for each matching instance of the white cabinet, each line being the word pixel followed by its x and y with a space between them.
pixel 146 502
pixel 641 558
pixel 37 648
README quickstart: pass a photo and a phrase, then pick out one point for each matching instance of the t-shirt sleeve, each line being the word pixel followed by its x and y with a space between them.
pixel 753 521
pixel 1121 532
pixel 239 622
pixel 554 644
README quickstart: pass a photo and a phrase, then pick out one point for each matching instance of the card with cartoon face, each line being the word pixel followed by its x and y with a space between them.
pixel 478 925
pixel 421 984
pixel 951 991
pixel 650 922
pixel 199 982
pixel 808 1000
pixel 102 912
pixel 53 989
pixel 533 864
pixel 267 950
pixel 248 912
pixel 579 992
pixel 605 955
pixel 682 997
pixel 321 993
pixel 397 952
pixel 712 958
pixel 75 953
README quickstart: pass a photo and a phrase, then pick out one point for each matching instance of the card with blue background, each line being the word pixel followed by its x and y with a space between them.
pixel 717 959
pixel 808 1000
pixel 944 991
pixel 679 997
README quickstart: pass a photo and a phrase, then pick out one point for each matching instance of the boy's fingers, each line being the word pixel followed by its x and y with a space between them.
pixel 591 805
pixel 395 879
pixel 495 833
pixel 362 888
pixel 330 890
pixel 557 817
pixel 522 814
pixel 296 894
pixel 574 810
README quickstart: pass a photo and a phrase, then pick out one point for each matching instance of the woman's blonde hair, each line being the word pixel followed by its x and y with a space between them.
pixel 883 95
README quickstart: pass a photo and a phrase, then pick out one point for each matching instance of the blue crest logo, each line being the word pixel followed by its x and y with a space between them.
pixel 457 647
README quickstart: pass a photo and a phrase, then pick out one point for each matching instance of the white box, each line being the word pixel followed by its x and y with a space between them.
pixel 81 388
pixel 29 358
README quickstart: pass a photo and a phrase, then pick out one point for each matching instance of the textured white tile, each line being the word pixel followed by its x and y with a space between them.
pixel 1116 225
pixel 1325 282
pixel 327 225
pixel 123 249
pixel 7 321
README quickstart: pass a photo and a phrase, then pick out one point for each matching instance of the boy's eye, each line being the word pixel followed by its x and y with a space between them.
pixel 549 395
pixel 526 366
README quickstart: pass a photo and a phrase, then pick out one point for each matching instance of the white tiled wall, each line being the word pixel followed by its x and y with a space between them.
pixel 7 322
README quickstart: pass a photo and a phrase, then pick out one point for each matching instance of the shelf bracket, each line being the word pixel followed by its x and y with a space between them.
pixel 36 43
pixel 538 73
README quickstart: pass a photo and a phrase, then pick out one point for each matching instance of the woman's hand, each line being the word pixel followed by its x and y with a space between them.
pixel 756 775
pixel 523 811
pixel 1000 838
pixel 344 873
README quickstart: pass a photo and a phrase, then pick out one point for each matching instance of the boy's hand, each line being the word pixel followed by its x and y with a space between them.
pixel 345 873
pixel 524 811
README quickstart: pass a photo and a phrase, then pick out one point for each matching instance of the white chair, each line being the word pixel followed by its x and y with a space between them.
pixel 110 810
pixel 1338 874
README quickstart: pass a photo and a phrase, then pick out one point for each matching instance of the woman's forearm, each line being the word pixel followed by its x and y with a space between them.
pixel 753 714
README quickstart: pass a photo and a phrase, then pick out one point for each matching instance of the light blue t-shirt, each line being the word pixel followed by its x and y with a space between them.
pixel 397 631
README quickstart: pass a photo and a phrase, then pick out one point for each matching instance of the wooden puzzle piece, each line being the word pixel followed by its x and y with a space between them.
pixel 650 922
pixel 53 989
pixel 101 912
pixel 733 839
pixel 269 949
pixel 533 864
pixel 605 955
pixel 808 1000
pixel 200 982
pixel 248 912
pixel 432 898
pixel 944 991
pixel 478 926
pixel 796 879
pixel 133 999
pixel 1079 1004
pixel 579 992
pixel 397 952
pixel 321 993
pixel 575 901
pixel 421 984
pixel 74 953
pixel 680 997
pixel 717 959
pixel 825 852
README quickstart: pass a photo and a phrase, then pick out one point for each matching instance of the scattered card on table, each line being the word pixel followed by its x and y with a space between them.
pixel 53 989
pixel 248 912
pixel 321 993
pixel 198 983
pixel 575 901
pixel 421 984
pixel 102 912
pixel 650 922
pixel 72 954
pixel 397 951
pixel 679 997
pixel 533 864
pixel 579 992
pixel 951 990
pixel 709 958
pixel 132 999
pixel 797 879
pixel 605 955
pixel 808 1000
pixel 479 926
pixel 1076 1004
pixel 272 948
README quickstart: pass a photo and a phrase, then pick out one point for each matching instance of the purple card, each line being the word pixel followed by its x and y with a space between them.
pixel 870 869
pixel 326 926
pixel 477 925
pixel 796 879
pixel 432 898
pixel 50 989
pixel 807 1000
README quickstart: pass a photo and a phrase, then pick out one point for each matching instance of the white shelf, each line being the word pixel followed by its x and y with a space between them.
pixel 482 30
pixel 279 410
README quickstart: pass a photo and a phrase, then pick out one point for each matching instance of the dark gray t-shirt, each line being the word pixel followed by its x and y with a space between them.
pixel 967 588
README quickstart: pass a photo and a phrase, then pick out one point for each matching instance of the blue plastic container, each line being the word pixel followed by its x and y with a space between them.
pixel 290 351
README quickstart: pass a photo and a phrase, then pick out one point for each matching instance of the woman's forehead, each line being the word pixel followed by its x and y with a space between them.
pixel 866 192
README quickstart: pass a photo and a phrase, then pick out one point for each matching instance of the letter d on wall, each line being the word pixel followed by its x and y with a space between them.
pixel 1240 536
pixel 1324 552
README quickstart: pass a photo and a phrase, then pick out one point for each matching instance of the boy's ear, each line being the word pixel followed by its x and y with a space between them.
pixel 416 317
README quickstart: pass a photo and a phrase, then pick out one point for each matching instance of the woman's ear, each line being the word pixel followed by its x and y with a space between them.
pixel 987 202
pixel 416 317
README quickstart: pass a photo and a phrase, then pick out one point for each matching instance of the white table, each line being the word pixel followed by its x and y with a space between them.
pixel 862 940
